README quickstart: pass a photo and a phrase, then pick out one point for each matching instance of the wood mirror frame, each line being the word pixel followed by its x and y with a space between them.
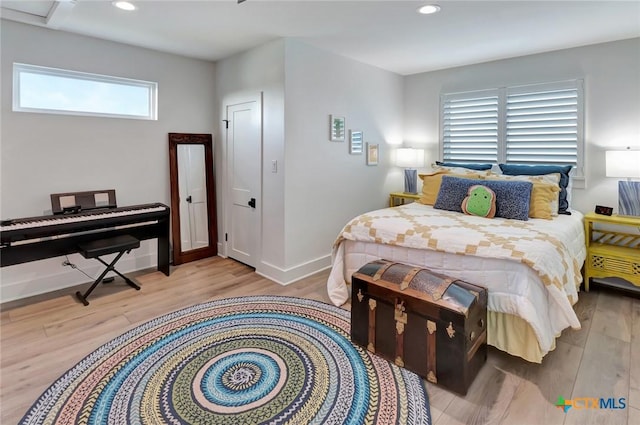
pixel 180 256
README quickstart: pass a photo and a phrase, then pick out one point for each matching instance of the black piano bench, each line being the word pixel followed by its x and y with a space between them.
pixel 94 249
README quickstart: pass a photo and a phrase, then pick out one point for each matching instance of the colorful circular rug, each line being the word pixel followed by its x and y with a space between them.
pixel 247 360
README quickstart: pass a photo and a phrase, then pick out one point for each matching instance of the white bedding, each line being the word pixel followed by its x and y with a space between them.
pixel 515 286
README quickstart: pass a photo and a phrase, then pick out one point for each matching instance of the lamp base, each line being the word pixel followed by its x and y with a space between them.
pixel 411 181
pixel 629 198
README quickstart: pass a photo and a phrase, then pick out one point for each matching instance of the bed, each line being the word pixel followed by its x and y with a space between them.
pixel 532 268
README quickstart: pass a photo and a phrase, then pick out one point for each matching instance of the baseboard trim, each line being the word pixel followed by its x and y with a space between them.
pixel 290 275
pixel 18 282
pixel 29 283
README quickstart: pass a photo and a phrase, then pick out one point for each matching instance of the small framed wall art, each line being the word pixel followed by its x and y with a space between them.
pixel 355 142
pixel 372 154
pixel 337 128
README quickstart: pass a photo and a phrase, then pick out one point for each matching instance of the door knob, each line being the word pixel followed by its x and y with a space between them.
pixel 252 202
pixel 189 199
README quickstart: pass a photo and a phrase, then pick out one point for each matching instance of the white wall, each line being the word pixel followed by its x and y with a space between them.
pixel 611 73
pixel 318 186
pixel 47 153
pixel 326 186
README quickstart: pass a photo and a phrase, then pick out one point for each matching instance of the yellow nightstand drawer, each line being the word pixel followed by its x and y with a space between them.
pixel 612 251
pixel 606 264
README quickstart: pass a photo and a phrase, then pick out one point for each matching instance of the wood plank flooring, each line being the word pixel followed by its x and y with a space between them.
pixel 42 337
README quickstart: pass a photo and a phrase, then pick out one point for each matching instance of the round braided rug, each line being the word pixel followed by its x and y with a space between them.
pixel 246 360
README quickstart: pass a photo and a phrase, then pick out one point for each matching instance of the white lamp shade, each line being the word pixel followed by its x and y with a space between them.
pixel 624 163
pixel 409 157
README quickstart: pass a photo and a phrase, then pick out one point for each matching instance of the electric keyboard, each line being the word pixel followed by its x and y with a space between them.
pixel 36 238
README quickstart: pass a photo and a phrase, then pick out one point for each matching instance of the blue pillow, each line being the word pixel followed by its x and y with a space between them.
pixel 468 165
pixel 538 170
pixel 512 197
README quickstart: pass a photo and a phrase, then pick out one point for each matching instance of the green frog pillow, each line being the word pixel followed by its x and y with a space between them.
pixel 480 201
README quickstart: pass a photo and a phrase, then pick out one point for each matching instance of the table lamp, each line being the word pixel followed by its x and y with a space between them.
pixel 410 159
pixel 626 164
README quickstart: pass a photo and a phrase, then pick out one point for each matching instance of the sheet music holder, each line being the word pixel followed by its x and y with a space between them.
pixel 74 202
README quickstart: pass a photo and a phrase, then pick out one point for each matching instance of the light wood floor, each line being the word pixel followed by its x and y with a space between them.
pixel 43 337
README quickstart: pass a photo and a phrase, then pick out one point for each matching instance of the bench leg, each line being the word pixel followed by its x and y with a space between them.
pixel 110 267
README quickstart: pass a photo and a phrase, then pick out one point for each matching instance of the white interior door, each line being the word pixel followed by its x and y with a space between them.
pixel 194 229
pixel 244 151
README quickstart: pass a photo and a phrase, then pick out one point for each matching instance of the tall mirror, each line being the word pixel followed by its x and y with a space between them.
pixel 193 200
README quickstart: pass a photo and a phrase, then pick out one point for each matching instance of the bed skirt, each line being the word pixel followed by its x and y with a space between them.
pixel 514 335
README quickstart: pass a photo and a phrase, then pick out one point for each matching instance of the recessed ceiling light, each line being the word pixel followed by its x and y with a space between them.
pixel 429 9
pixel 124 5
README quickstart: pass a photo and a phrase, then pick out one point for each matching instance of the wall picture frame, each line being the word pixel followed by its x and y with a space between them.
pixel 372 154
pixel 336 128
pixel 355 142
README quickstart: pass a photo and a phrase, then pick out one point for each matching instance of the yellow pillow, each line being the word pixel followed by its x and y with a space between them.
pixel 544 194
pixel 431 182
pixel 542 197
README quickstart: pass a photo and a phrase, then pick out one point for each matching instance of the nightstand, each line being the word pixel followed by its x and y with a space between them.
pixel 401 198
pixel 613 249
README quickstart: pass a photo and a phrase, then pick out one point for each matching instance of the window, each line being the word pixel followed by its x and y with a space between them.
pixel 470 124
pixel 535 124
pixel 59 91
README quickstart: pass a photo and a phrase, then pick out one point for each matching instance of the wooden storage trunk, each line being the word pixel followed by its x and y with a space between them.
pixel 431 324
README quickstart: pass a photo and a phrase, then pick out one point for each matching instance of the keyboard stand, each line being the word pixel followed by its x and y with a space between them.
pixel 122 244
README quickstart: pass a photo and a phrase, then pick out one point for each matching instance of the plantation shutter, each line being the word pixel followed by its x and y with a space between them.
pixel 469 129
pixel 544 123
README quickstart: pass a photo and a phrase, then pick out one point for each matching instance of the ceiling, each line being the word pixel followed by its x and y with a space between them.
pixel 385 34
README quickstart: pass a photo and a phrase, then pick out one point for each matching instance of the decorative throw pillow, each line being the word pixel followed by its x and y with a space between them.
pixel 544 201
pixel 480 201
pixel 512 197
pixel 469 165
pixel 431 182
pixel 537 170
pixel 458 170
pixel 544 195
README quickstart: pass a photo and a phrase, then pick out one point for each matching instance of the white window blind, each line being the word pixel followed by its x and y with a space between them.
pixel 470 127
pixel 543 123
pixel 535 124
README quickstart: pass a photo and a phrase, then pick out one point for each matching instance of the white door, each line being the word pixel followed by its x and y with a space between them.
pixel 194 229
pixel 244 153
